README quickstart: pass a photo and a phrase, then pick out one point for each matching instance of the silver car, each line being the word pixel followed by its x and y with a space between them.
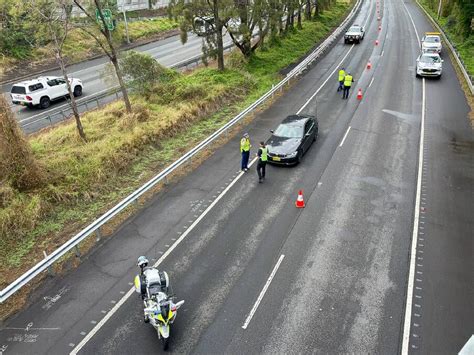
pixel 429 64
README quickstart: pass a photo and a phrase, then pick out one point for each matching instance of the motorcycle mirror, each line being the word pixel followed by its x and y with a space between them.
pixel 272 131
pixel 179 304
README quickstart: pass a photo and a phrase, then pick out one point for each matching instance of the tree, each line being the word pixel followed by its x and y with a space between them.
pixel 140 71
pixel 100 31
pixel 17 163
pixel 15 38
pixel 251 14
pixel 219 12
pixel 53 23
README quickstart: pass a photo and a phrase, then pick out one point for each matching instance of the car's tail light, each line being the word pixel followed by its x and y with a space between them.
pixel 29 98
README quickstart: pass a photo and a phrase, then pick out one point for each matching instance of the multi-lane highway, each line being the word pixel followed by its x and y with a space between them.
pixel 169 52
pixel 388 191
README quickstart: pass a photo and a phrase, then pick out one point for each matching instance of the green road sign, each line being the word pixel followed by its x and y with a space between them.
pixel 107 17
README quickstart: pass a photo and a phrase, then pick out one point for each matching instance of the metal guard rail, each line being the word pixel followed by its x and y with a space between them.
pixel 456 55
pixel 107 216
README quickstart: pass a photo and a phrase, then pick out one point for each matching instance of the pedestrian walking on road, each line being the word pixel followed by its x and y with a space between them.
pixel 262 161
pixel 245 151
pixel 342 74
pixel 348 80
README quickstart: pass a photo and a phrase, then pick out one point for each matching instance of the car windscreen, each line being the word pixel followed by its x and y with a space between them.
pixel 18 90
pixel 289 131
pixel 354 29
pixel 430 59
pixel 432 39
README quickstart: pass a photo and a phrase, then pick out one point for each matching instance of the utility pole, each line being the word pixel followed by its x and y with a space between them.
pixel 126 23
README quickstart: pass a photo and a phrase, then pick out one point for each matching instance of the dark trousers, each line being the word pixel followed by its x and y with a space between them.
pixel 341 85
pixel 261 169
pixel 245 160
pixel 345 94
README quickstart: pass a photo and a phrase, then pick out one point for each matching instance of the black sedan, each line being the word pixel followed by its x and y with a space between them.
pixel 292 139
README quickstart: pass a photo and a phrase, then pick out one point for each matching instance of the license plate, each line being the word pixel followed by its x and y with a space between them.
pixel 276 159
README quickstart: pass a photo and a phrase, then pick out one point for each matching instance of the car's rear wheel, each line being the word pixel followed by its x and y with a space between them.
pixel 77 91
pixel 45 102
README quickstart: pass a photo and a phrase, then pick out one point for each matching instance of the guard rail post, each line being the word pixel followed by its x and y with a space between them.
pixel 97 234
pixel 133 197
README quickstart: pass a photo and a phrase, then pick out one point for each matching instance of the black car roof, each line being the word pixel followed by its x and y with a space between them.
pixel 295 119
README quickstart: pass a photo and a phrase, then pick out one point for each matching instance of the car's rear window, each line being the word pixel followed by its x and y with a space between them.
pixel 432 39
pixel 18 90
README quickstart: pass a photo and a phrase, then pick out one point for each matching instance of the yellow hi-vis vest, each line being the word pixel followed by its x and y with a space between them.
pixel 245 145
pixel 264 156
pixel 348 80
pixel 342 74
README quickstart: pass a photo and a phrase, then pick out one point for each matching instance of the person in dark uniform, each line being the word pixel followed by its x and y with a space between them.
pixel 262 155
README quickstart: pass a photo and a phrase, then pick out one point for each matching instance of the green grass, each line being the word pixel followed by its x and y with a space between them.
pixel 465 46
pixel 124 150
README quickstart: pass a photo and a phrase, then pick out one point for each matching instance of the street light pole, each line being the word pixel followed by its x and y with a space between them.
pixel 126 23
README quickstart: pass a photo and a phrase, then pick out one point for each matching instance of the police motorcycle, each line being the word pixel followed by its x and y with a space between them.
pixel 159 308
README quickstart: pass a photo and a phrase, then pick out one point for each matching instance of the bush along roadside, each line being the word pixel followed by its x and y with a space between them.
pixel 124 150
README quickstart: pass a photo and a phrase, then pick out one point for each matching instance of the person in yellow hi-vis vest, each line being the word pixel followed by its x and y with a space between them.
pixel 348 80
pixel 245 151
pixel 342 74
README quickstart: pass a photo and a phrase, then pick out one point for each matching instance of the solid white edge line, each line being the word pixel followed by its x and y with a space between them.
pixel 345 136
pixel 414 241
pixel 327 79
pixel 412 22
pixel 411 274
pixel 371 81
pixel 262 293
pixel 99 325
pixel 178 241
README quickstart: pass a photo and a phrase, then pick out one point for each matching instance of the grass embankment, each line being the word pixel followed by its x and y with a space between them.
pixel 79 46
pixel 465 46
pixel 124 150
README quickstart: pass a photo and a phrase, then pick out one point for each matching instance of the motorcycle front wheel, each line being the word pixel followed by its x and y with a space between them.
pixel 164 342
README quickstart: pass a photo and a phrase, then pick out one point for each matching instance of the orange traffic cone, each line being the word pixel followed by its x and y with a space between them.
pixel 359 94
pixel 378 18
pixel 300 201
pixel 380 28
pixel 369 65
pixel 376 42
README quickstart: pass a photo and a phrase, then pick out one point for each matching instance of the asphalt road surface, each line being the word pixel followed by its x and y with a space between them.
pixel 169 52
pixel 329 278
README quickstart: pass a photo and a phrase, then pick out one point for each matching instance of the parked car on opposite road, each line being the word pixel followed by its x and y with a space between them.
pixel 429 64
pixel 431 43
pixel 292 139
pixel 41 91
pixel 355 34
